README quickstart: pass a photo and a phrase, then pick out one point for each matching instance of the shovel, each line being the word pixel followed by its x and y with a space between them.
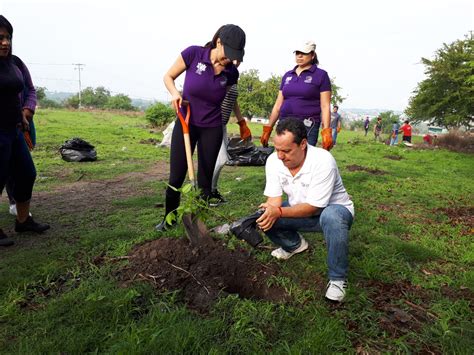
pixel 196 230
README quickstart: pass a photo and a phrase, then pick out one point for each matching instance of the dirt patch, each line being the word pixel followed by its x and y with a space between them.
pixel 202 274
pixel 404 309
pixel 152 141
pixel 460 216
pixel 363 168
pixel 393 157
pixel 83 196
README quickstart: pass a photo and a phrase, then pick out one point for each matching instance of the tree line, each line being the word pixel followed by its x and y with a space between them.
pixel 99 98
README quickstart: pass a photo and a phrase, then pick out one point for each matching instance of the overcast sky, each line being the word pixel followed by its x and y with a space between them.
pixel 371 48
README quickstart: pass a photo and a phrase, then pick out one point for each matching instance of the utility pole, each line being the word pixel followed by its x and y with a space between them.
pixel 79 67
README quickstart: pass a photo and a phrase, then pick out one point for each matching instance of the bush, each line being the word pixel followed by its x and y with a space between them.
pixel 159 114
pixel 457 141
pixel 48 103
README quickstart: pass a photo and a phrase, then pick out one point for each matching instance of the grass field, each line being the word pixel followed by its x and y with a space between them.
pixel 411 254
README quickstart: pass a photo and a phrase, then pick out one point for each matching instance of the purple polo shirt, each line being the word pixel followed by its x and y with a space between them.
pixel 302 93
pixel 203 89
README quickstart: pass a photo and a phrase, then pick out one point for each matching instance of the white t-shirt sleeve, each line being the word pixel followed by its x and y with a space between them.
pixel 272 187
pixel 321 187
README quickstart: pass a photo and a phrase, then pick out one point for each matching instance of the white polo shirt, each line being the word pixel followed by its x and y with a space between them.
pixel 318 182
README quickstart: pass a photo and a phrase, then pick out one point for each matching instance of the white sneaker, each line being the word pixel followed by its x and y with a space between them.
pixel 14 212
pixel 282 254
pixel 336 290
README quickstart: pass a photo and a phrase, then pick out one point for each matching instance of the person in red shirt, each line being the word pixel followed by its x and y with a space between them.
pixel 406 129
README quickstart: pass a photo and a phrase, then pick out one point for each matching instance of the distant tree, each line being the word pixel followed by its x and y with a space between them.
pixel 40 93
pixel 159 114
pixel 388 119
pixel 119 102
pixel 270 90
pixel 446 96
pixel 250 94
pixel 336 98
pixel 96 98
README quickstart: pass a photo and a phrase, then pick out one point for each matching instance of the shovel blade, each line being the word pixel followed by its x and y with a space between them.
pixel 196 230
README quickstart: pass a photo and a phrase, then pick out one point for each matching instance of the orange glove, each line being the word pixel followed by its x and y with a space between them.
pixel 244 130
pixel 326 135
pixel 267 131
pixel 338 129
pixel 28 141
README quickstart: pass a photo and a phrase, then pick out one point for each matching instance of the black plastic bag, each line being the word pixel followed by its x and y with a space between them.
pixel 246 229
pixel 77 149
pixel 245 153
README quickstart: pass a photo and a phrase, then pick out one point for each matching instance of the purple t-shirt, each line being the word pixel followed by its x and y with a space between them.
pixel 203 89
pixel 302 93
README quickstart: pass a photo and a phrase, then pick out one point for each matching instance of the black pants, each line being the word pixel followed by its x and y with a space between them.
pixel 16 164
pixel 406 139
pixel 208 142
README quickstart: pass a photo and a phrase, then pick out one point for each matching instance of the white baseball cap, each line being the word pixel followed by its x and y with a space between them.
pixel 306 47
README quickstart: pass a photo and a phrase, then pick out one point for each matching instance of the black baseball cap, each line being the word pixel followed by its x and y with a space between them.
pixel 233 39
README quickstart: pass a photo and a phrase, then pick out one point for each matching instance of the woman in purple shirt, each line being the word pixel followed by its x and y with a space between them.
pixel 305 94
pixel 15 158
pixel 210 71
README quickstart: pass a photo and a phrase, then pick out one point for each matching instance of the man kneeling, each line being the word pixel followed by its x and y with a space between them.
pixel 317 202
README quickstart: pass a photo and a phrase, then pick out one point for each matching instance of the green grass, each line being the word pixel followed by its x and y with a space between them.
pixel 55 299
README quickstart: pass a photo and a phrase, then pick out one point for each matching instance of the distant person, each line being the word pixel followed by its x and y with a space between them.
pixel 210 72
pixel 366 125
pixel 229 104
pixel 394 134
pixel 305 94
pixel 378 130
pixel 335 123
pixel 15 159
pixel 317 202
pixel 406 128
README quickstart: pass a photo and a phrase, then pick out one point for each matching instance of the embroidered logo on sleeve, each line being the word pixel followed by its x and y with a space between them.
pixel 200 68
pixel 308 79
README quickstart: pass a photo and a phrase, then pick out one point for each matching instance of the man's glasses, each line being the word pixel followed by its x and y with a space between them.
pixel 7 38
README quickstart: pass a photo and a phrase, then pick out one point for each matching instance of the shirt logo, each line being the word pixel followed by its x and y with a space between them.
pixel 284 182
pixel 200 68
pixel 223 82
pixel 308 79
pixel 287 80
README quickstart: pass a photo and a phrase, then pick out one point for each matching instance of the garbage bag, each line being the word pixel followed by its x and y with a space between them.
pixel 246 229
pixel 245 153
pixel 77 149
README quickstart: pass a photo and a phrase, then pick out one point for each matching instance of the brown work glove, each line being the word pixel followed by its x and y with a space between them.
pixel 244 130
pixel 338 129
pixel 267 131
pixel 326 135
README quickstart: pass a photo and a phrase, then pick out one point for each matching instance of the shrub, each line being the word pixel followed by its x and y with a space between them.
pixel 457 141
pixel 48 103
pixel 159 114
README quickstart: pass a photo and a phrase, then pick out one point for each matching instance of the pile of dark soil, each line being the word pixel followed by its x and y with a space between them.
pixel 363 168
pixel 202 274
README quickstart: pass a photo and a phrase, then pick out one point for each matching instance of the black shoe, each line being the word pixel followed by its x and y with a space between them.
pixel 4 240
pixel 216 199
pixel 163 226
pixel 30 226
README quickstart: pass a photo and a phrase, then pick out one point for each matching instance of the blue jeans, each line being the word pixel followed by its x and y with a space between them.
pixel 394 141
pixel 334 136
pixel 334 222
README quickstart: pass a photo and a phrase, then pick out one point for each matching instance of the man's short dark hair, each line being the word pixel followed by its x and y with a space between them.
pixel 294 126
pixel 335 106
